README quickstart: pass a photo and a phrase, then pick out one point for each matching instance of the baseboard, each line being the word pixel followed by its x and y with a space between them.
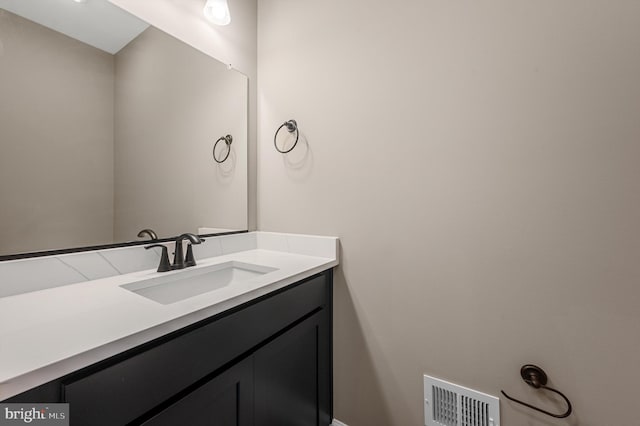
pixel 338 423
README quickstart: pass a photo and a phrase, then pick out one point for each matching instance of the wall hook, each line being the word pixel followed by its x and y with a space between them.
pixel 535 377
pixel 227 140
pixel 291 126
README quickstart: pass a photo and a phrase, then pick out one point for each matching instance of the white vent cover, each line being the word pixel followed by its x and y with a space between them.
pixel 446 404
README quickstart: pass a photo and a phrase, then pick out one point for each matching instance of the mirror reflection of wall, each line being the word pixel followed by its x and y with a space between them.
pixel 95 146
pixel 165 174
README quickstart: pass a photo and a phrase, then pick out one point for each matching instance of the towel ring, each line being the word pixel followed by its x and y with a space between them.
pixel 291 126
pixel 227 140
pixel 535 377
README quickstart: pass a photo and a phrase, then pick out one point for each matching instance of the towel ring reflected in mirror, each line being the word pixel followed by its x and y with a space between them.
pixel 228 139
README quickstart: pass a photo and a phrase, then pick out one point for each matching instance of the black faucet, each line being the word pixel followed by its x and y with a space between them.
pixel 179 260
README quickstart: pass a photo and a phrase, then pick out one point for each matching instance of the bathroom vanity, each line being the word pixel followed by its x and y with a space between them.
pixel 255 352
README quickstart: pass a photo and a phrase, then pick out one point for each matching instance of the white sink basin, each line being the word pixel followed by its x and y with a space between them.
pixel 193 282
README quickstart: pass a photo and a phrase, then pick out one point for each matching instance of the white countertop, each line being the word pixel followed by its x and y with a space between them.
pixel 49 333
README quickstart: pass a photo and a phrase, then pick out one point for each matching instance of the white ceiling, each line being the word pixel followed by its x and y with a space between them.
pixel 96 22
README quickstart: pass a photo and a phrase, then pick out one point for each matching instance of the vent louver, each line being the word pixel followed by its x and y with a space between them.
pixel 447 404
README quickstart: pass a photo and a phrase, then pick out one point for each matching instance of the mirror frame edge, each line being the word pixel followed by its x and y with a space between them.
pixel 57 252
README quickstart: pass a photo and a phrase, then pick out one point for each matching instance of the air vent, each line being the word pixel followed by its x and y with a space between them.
pixel 447 404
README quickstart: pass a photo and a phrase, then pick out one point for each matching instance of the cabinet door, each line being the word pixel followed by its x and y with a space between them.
pixel 226 400
pixel 292 376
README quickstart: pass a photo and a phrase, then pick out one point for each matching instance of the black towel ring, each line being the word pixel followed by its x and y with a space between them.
pixel 291 126
pixel 227 140
pixel 536 377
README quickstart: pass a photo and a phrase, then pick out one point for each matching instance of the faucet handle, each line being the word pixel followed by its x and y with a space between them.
pixel 165 265
pixel 189 259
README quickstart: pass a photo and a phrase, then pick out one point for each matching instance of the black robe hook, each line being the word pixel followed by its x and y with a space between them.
pixel 536 377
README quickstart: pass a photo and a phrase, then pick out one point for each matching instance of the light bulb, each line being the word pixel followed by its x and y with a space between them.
pixel 217 11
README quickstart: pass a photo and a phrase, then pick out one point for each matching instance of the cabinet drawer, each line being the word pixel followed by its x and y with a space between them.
pixel 124 391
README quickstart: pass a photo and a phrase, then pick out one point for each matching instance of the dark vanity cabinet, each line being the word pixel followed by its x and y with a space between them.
pixel 267 362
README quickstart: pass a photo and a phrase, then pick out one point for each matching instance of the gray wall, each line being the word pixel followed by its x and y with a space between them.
pixel 165 176
pixel 56 97
pixel 479 162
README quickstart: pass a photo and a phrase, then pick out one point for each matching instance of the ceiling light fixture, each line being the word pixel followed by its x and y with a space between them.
pixel 217 11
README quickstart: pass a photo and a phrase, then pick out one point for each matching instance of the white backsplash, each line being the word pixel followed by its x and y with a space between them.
pixel 41 273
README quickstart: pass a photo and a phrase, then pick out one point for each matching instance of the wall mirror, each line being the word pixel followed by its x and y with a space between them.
pixel 107 127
